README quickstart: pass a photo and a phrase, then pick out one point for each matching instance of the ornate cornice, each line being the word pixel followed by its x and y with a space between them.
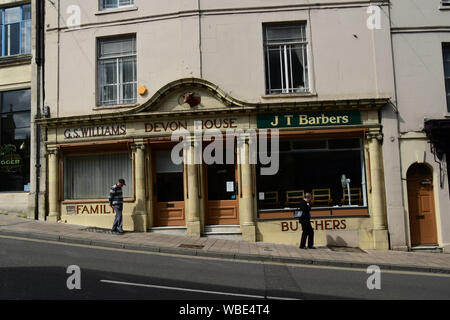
pixel 147 111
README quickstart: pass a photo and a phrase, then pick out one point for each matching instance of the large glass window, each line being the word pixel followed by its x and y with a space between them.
pixel 286 58
pixel 316 167
pixel 115 4
pixel 15 30
pixel 169 178
pixel 15 107
pixel 117 71
pixel 91 177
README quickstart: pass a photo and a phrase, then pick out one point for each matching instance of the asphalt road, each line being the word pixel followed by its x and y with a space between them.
pixel 38 270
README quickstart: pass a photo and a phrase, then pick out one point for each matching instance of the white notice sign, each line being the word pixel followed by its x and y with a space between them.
pixel 230 186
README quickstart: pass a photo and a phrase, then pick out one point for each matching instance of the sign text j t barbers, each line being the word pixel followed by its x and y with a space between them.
pixel 320 119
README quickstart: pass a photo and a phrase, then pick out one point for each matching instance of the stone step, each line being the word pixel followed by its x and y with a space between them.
pixel 427 248
pixel 227 232
pixel 169 230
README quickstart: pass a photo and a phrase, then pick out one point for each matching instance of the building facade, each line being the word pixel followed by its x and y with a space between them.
pixel 124 80
pixel 420 37
pixel 17 83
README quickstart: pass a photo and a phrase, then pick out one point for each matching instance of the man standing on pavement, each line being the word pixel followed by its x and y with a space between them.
pixel 305 220
pixel 116 201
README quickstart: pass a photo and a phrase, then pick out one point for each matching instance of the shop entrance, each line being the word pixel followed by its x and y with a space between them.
pixel 168 189
pixel 222 204
pixel 422 217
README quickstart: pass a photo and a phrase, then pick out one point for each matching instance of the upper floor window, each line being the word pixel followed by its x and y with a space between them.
pixel 15 30
pixel 117 71
pixel 116 4
pixel 446 53
pixel 286 59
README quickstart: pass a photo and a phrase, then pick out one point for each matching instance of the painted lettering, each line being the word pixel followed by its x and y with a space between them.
pixel 319 225
pixel 91 132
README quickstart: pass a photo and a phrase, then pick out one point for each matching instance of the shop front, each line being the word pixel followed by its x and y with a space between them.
pixel 149 147
pixel 335 156
pixel 223 162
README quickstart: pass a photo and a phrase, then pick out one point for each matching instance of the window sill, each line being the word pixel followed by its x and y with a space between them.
pixel 111 11
pixel 15 60
pixel 316 213
pixel 289 95
pixel 115 107
pixel 69 202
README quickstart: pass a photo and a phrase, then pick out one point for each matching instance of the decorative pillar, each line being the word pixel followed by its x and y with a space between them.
pixel 379 219
pixel 54 213
pixel 246 195
pixel 139 214
pixel 193 223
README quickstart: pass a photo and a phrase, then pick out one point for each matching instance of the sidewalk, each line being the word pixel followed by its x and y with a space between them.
pixel 14 226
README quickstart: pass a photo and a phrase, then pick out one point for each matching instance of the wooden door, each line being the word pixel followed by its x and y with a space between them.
pixel 422 217
pixel 168 188
pixel 222 203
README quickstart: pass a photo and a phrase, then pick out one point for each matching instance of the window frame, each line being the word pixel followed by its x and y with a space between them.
pixel 26 127
pixel 119 101
pixel 322 211
pixel 101 151
pixel 21 23
pixel 446 51
pixel 288 77
pixel 103 8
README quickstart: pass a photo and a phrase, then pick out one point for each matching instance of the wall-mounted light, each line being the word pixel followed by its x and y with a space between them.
pixel 142 90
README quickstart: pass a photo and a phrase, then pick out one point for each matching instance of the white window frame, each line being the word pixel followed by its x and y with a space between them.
pixel 119 6
pixel 285 48
pixel 120 100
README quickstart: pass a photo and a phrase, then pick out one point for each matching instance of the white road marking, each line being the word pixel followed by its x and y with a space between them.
pixel 192 290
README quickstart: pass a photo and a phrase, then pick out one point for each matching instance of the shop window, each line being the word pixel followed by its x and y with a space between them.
pixel 286 58
pixel 117 74
pixel 15 30
pixel 115 4
pixel 91 177
pixel 15 109
pixel 316 167
pixel 169 178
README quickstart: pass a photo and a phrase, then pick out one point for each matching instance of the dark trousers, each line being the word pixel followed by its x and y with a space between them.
pixel 118 221
pixel 308 232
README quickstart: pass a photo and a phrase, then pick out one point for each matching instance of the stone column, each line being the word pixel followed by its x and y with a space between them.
pixel 193 223
pixel 380 233
pixel 54 214
pixel 246 199
pixel 139 215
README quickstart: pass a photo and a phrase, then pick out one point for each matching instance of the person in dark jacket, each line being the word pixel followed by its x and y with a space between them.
pixel 305 220
pixel 116 201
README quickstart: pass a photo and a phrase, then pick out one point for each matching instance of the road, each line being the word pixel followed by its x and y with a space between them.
pixel 31 269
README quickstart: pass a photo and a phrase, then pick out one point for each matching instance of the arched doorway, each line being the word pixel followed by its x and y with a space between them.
pixel 422 216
